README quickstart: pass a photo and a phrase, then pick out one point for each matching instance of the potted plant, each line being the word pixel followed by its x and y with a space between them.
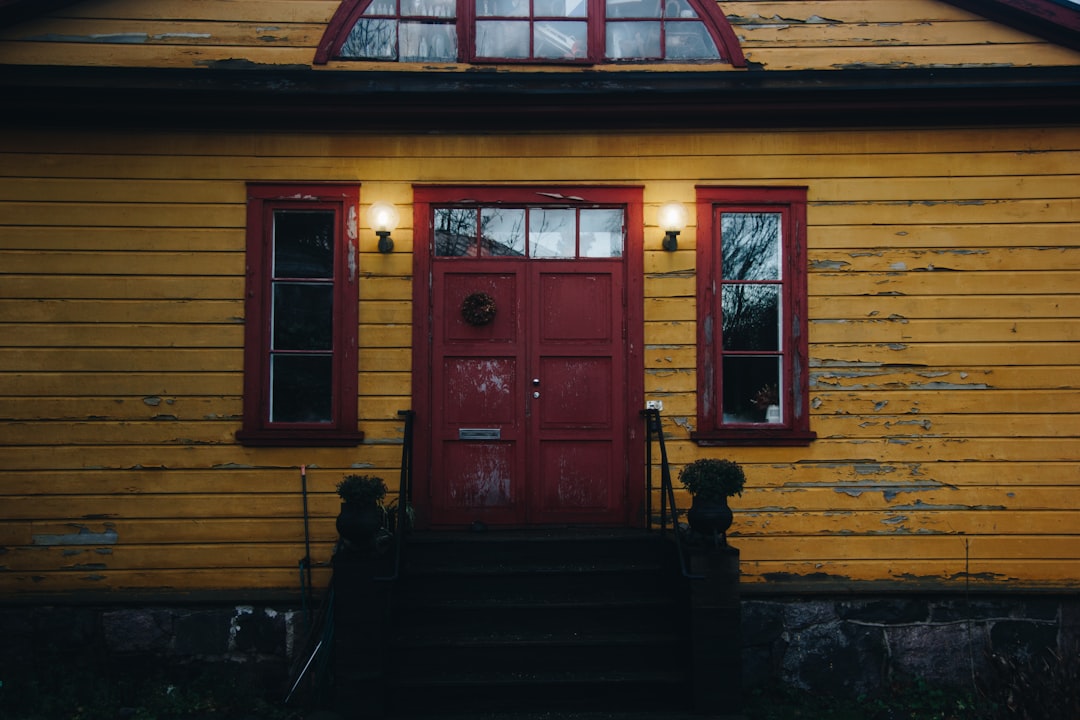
pixel 710 483
pixel 767 401
pixel 362 513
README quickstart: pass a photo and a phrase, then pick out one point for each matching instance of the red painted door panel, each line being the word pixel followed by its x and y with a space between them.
pixel 576 443
pixel 528 413
pixel 478 394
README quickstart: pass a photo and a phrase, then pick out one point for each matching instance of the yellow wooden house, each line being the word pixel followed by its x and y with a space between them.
pixel 837 242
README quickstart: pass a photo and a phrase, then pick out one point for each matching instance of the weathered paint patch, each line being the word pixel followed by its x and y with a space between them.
pixel 118 38
pixel 829 264
pixel 780 577
pixel 920 506
pixel 183 36
pixel 924 424
pixel 778 21
pixel 83 536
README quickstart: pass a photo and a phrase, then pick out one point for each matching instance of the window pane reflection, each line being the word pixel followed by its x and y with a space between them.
pixel 560 39
pixel 750 245
pixel 552 233
pixel 538 232
pixel 503 231
pixel 371 40
pixel 752 389
pixel 633 40
pixel 560 8
pixel 751 317
pixel 303 316
pixel 303 244
pixel 381 7
pixel 425 42
pixel 455 232
pixel 689 41
pixel 429 8
pixel 632 8
pixel 300 388
pixel 678 9
pixel 502 8
pixel 502 39
pixel 602 233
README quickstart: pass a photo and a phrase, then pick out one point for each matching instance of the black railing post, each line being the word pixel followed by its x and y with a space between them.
pixel 715 614
pixel 653 424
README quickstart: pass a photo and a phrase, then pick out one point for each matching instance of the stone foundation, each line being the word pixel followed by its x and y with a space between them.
pixel 853 645
pixel 84 634
pixel 842 645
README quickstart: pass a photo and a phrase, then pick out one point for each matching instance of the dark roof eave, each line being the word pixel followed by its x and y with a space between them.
pixel 13 11
pixel 1052 20
pixel 300 97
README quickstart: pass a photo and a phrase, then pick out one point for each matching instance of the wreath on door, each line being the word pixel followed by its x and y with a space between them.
pixel 478 309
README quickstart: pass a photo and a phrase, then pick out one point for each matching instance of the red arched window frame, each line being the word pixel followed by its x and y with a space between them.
pixel 349 12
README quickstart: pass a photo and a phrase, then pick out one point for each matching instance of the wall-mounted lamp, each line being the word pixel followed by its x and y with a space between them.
pixel 671 219
pixel 384 219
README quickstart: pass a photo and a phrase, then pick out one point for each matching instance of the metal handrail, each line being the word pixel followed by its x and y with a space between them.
pixel 653 424
pixel 404 502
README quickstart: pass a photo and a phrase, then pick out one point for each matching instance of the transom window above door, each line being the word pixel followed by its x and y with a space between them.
pixel 534 232
pixel 530 31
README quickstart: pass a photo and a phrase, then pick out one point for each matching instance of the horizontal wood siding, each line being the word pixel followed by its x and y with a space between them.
pixel 944 318
pixel 854 34
pixel 828 34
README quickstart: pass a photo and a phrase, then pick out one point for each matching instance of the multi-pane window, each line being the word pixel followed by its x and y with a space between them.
pixel 535 232
pixel 752 349
pixel 301 316
pixel 656 29
pixel 405 31
pixel 561 31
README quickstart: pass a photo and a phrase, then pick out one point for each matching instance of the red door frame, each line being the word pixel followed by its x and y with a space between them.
pixel 631 197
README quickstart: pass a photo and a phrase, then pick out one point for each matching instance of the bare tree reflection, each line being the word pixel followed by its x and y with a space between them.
pixel 502 232
pixel 750 304
pixel 750 293
pixel 455 232
pixel 372 39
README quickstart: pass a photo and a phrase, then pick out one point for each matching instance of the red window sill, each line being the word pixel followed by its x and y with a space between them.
pixel 746 438
pixel 299 438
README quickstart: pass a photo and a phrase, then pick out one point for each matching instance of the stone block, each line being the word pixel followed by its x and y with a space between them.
pixel 257 630
pixel 1022 639
pixel 885 611
pixel 945 653
pixel 201 633
pixel 138 631
pixel 836 657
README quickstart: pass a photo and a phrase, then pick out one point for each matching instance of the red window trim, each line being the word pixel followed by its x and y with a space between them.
pixel 795 427
pixel 349 11
pixel 262 201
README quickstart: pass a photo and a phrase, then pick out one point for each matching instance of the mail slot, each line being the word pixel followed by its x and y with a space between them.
pixel 479 433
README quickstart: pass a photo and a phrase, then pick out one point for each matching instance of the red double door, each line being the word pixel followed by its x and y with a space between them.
pixel 529 412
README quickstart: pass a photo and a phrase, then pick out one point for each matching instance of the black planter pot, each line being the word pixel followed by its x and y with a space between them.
pixel 709 517
pixel 359 523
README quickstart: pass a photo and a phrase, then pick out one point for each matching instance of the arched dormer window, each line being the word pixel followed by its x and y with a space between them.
pixel 530 31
